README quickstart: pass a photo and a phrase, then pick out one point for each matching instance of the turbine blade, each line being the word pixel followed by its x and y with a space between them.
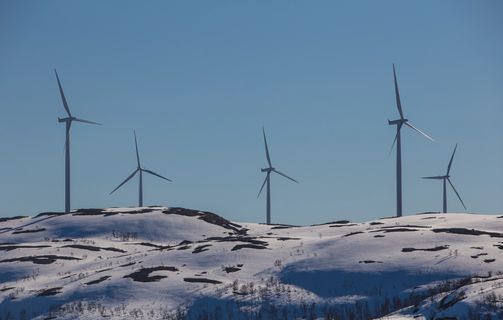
pixel 65 104
pixel 435 177
pixel 266 149
pixel 136 146
pixel 155 174
pixel 396 138
pixel 284 175
pixel 87 121
pixel 452 158
pixel 263 184
pixel 421 132
pixel 123 182
pixel 397 94
pixel 459 197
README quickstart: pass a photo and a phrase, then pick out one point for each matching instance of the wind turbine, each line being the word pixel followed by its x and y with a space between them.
pixel 139 169
pixel 447 178
pixel 267 180
pixel 399 123
pixel 68 121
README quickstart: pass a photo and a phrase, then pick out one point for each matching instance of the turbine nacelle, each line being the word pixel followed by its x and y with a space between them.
pixel 397 122
pixel 66 119
pixel 267 169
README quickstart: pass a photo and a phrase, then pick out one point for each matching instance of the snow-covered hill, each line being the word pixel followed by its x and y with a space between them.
pixel 175 263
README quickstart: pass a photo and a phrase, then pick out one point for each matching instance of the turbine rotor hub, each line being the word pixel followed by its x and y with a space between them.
pixel 397 122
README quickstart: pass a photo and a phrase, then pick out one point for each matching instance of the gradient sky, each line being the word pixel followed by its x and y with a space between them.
pixel 198 79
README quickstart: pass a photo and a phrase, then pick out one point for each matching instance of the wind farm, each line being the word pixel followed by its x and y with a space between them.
pixel 288 160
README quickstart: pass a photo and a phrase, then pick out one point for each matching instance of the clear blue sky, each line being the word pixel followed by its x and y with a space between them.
pixel 198 79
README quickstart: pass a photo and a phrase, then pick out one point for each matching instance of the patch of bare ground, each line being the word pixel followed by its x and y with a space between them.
pixel 98 280
pixel 28 231
pixel 247 245
pixel 44 259
pixel 12 218
pixel 201 248
pixel 50 292
pixel 14 247
pixel 352 233
pixel 438 248
pixel 202 280
pixel 472 232
pixel 208 217
pixel 143 275
pixel 93 248
pixel 231 269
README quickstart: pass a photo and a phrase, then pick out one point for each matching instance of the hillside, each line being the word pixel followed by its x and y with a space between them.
pixel 174 263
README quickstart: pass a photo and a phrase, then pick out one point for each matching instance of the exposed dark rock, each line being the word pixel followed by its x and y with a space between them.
pixel 43 214
pixel 352 233
pixel 333 222
pixel 250 246
pixel 14 247
pixel 98 280
pixel 208 217
pixel 93 248
pixel 28 231
pixel 202 280
pixel 405 226
pixel 201 248
pixel 231 269
pixel 143 275
pixel 153 245
pixel 287 238
pixel 426 249
pixel 342 225
pixel 50 292
pixel 45 259
pixel 128 264
pixel 12 218
pixel 282 227
pixel 472 232
pixel 238 239
pixel 399 230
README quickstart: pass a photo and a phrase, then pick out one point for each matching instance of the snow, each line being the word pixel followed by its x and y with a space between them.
pixel 79 266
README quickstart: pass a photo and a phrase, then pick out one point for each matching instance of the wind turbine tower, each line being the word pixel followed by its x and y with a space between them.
pixel 447 178
pixel 399 123
pixel 140 170
pixel 68 121
pixel 267 180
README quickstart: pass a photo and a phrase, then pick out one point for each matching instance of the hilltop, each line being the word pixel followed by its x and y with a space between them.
pixel 175 263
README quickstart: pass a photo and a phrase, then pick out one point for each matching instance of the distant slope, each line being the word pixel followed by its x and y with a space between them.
pixel 161 263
